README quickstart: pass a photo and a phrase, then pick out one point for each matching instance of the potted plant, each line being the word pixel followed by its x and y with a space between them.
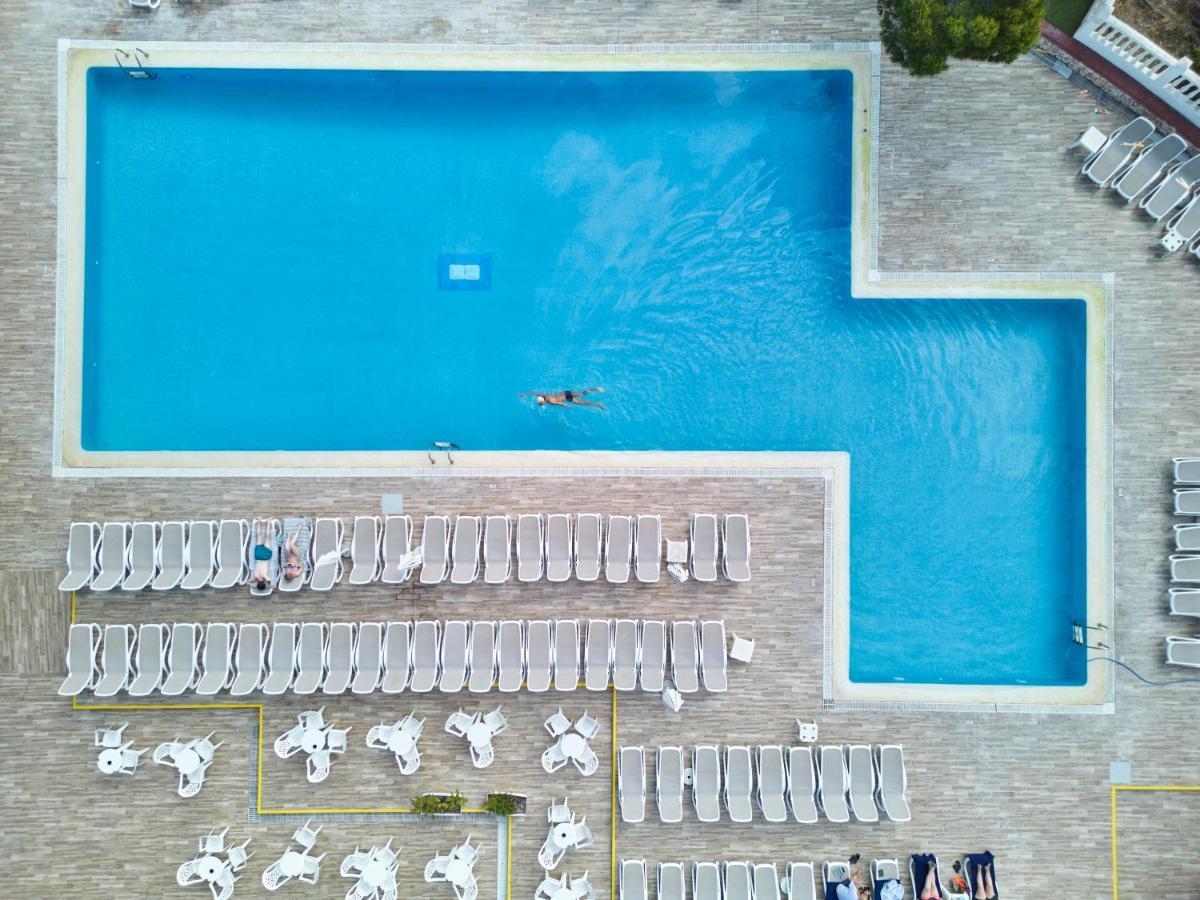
pixel 438 804
pixel 502 804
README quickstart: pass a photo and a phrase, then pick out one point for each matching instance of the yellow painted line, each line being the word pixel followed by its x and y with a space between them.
pixel 612 850
pixel 1118 788
pixel 1113 802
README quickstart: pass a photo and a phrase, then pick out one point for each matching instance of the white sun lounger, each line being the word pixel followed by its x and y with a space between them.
pixel 1185 567
pixel 396 546
pixel 511 656
pixel 251 659
pixel 597 655
pixel 232 535
pixel 736 547
pixel 558 547
pixel 618 549
pixel 454 656
pixel 467 533
pixel 670 882
pixel 81 556
pixel 1185 601
pixel 737 881
pixel 497 550
pixel 301 527
pixel 281 659
pixel 633 879
pixel 539 656
pixel 112 556
pixel 800 881
pixel 647 554
pixel 772 783
pixel 530 547
pixel 566 655
pixel 1108 162
pixel 397 657
pixel 801 785
pixel 831 783
pixel 860 767
pixel 1183 651
pixel 589 545
pixel 339 658
pixel 426 643
pixel 706 782
pixel 142 564
pixel 882 871
pixel 706 881
pixel 368 658
pixel 631 784
pixel 739 783
pixel 1173 190
pixel 892 782
pixel 1186 469
pixel 713 656
pixel 482 656
pixel 704 543
pixel 364 550
pixel 766 882
pixel 685 657
pixel 310 658
pixel 151 659
pixel 652 656
pixel 668 790
pixel 626 653
pixel 172 540
pixel 1149 165
pixel 435 550
pixel 1187 500
pixel 83 641
pixel 1187 538
pixel 218 658
pixel 326 553
pixel 116 660
pixel 183 659
pixel 271 542
pixel 1183 227
pixel 200 554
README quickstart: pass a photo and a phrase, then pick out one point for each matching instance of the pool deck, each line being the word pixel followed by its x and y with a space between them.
pixel 972 175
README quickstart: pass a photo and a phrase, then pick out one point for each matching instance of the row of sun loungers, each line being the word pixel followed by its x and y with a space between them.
pixel 1185 564
pixel 192 555
pixel 845 780
pixel 393 657
pixel 742 880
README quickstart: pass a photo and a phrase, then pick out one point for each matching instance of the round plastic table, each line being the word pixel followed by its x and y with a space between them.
pixel 479 734
pixel 400 742
pixel 458 872
pixel 374 873
pixel 208 867
pixel 187 761
pixel 561 835
pixel 109 761
pixel 573 745
pixel 291 864
pixel 563 894
pixel 312 740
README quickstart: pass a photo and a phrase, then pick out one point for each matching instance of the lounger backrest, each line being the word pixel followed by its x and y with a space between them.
pixel 150 649
pixel 633 879
pixel 426 638
pixel 249 646
pixel 339 652
pixel 483 657
pixel 112 547
pixel 454 647
pixel 704 546
pixel 312 647
pixel 115 656
pixel 397 653
pixel 670 882
pixel 766 882
pixel 738 775
pixel 538 661
pixel 598 654
pixel 217 646
pixel 81 548
pixel 529 547
pixel 619 549
pixel 587 546
pixel 512 647
pixel 685 653
pixel 706 881
pixel 566 654
pixel 283 647
pixel 81 649
pixel 496 538
pixel 653 654
pixel 649 540
pixel 625 646
pixel 833 772
pixel 631 771
pixel 802 881
pixel 172 539
pixel 143 546
pixel 466 539
pixel 770 770
pixel 230 539
pixel 183 647
pixel 862 770
pixel 199 546
pixel 738 885
pixel 713 655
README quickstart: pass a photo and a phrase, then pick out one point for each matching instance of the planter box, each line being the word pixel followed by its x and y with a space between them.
pixel 521 799
pixel 446 812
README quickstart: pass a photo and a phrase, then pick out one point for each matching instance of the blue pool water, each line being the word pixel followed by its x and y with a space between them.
pixel 263 273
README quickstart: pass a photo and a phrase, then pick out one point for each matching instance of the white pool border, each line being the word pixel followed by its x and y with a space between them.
pixel 867 281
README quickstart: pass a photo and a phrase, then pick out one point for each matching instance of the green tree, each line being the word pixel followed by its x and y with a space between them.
pixel 923 35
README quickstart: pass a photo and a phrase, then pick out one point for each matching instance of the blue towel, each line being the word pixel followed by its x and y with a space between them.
pixel 977 861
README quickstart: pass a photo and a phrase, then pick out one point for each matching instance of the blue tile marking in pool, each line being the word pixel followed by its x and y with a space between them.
pixel 464 271
pixel 258 277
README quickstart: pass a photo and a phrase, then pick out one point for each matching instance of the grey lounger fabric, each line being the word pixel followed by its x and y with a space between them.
pixel 339 658
pixel 802 881
pixel 116 660
pixel 704 543
pixel 435 550
pixel 183 659
pixel 653 660
pixel 1149 166
pixel 218 658
pixel 539 660
pixel 143 556
pixel 232 535
pixel 772 783
pixel 1187 500
pixel 397 542
pixel 589 546
pixel 625 654
pixel 364 550
pixel 397 657
pixel 739 782
pixel 368 658
pixel 81 556
pixel 738 881
pixel 597 656
pixel 831 783
pixel 706 782
pixel 631 784
pixel 558 547
pixel 1117 151
pixel 482 657
pixel 706 881
pixel 766 882
pixel 310 658
pixel 326 554
pixel 172 538
pixel 647 554
pixel 250 659
pixel 83 640
pixel 511 654
pixel 1183 651
pixel 566 655
pixel 669 786
pixel 1187 469
pixel 801 785
pixel 633 879
pixel 200 551
pixel 468 531
pixel 685 657
pixel 892 787
pixel 737 547
pixel 111 556
pixel 426 643
pixel 618 549
pixel 497 550
pixel 151 659
pixel 713 656
pixel 1172 191
pixel 1185 601
pixel 530 547
pixel 454 656
pixel 670 882
pixel 861 768
pixel 281 659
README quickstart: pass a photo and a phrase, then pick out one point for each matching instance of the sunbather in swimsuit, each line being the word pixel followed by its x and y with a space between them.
pixel 262 554
pixel 292 566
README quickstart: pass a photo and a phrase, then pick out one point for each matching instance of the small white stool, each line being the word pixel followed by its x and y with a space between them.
pixel 808 731
pixel 1091 140
pixel 742 649
pixel 676 551
pixel 672 699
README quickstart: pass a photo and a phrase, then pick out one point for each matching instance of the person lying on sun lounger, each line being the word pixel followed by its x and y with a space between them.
pixel 984 888
pixel 292 567
pixel 929 890
pixel 262 554
pixel 853 889
pixel 568 398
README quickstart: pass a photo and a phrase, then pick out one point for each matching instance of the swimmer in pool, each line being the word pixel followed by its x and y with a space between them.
pixel 567 398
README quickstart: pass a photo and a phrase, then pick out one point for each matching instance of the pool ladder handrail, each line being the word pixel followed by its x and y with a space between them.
pixel 137 58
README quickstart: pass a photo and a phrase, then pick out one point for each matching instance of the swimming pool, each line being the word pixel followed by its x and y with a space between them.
pixel 275 240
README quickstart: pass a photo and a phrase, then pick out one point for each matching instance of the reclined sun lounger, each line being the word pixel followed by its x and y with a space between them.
pixel 736 548
pixel 653 655
pixel 83 641
pixel 326 553
pixel 435 550
pixel 1183 651
pixel 884 871
pixel 1185 567
pixel 396 565
pixel 1185 601
pixel 298 529
pixel 706 881
pixel 1172 191
pixel 668 793
pixel 589 546
pixel 800 881
pixel 739 783
pixel 647 554
pixel 530 547
pixel 172 540
pixel 368 658
pixel 454 656
pixel 218 658
pixel 364 550
pixel 339 658
pixel 631 784
pixel 772 783
pixel 670 882
pixel 81 556
pixel 539 656
pixel 831 783
pixel 511 655
pixel 1149 165
pixel 1187 538
pixel 706 782
pixel 151 659
pixel 919 865
pixel 618 549
pixel 269 539
pixel 116 660
pixel 558 547
pixel 397 657
pixel 467 534
pixel 597 655
pixel 482 657
pixel 634 885
pixel 860 767
pixel 250 658
pixel 426 642
pixel 834 873
pixel 976 861
pixel 183 659
pixel 232 535
pixel 737 881
pixel 1183 226
pixel 892 782
pixel 566 655
pixel 310 657
pixel 1112 158
pixel 1187 470
pixel 281 659
pixel 713 657
pixel 626 652
pixel 704 543
pixel 801 785
pixel 200 554
pixel 1187 500
pixel 766 882
pixel 112 556
pixel 497 550
pixel 143 556
pixel 685 657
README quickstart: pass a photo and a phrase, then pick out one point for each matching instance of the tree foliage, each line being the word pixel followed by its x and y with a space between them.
pixel 923 35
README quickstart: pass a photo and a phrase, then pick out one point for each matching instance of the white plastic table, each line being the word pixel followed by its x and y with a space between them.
pixel 479 734
pixel 109 761
pixel 742 649
pixel 209 867
pixel 563 893
pixel 400 742
pixel 677 551
pixel 458 872
pixel 374 873
pixel 312 740
pixel 561 835
pixel 573 745
pixel 187 761
pixel 291 864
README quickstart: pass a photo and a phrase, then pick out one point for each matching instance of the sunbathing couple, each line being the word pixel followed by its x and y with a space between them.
pixel 293 565
pixel 985 889
pixel 566 398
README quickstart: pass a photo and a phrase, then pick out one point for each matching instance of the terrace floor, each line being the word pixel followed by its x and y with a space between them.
pixel 972 177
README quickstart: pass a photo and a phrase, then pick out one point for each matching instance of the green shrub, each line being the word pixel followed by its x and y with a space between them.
pixel 431 804
pixel 502 804
pixel 923 35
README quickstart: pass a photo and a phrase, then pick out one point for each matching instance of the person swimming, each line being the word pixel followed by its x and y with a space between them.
pixel 566 398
